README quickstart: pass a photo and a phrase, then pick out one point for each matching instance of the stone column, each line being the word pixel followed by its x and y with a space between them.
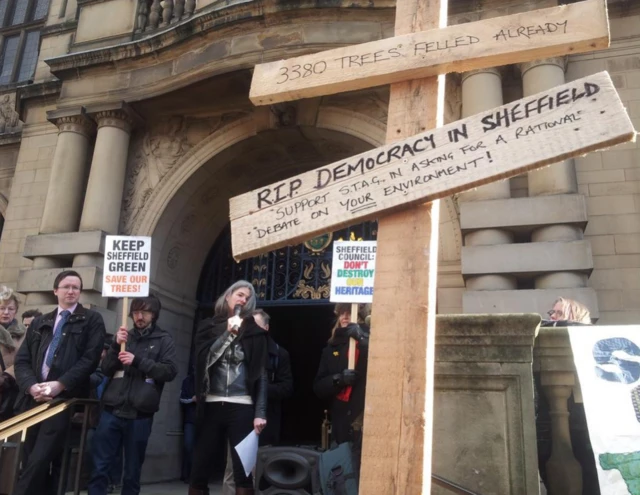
pixel 68 174
pixel 564 473
pixel 482 90
pixel 66 185
pixel 103 199
pixel 560 178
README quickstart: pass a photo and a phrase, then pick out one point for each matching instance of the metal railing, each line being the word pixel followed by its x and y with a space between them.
pixel 451 486
pixel 20 424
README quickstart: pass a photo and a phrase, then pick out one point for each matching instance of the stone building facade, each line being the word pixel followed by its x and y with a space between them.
pixel 136 120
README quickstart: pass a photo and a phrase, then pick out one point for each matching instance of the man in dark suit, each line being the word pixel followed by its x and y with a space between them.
pixel 61 350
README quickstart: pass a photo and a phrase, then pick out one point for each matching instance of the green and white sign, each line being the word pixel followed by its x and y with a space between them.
pixel 352 271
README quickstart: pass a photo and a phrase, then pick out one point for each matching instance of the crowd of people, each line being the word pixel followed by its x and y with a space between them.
pixel 237 384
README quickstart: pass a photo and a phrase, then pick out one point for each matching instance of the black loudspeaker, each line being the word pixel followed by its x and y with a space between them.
pixel 288 471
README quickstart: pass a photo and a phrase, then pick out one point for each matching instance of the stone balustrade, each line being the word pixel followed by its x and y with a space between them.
pixel 154 14
pixel 556 379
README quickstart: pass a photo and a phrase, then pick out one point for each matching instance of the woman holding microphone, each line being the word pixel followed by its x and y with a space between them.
pixel 231 384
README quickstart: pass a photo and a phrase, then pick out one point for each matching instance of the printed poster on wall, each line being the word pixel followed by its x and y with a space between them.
pixel 127 266
pixel 608 363
pixel 352 271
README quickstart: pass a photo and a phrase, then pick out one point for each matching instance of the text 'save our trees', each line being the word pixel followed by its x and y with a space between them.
pixel 569 120
pixel 551 32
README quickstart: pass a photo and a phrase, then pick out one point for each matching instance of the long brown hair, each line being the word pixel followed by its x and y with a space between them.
pixel 364 310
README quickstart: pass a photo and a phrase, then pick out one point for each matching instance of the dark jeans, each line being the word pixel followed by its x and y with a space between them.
pixel 187 452
pixel 43 450
pixel 115 473
pixel 112 433
pixel 220 420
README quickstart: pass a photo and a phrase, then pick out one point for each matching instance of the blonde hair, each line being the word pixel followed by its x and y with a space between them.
pixel 7 294
pixel 573 310
pixel 364 312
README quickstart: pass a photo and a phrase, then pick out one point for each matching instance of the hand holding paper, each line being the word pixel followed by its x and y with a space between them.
pixel 248 452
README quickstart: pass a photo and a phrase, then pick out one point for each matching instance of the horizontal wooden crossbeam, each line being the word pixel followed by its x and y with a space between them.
pixel 569 120
pixel 517 38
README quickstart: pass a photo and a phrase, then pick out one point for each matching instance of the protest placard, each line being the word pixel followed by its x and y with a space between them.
pixel 607 360
pixel 352 271
pixel 127 269
pixel 127 266
pixel 566 121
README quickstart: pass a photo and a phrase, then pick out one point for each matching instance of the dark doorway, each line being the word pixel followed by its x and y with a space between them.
pixel 303 331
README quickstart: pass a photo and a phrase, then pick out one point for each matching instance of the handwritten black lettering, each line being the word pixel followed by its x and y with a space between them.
pixel 300 206
pixel 470 148
pixel 507 116
pixel 276 227
pixel 533 129
pixel 264 196
pixel 326 176
pixel 434 46
pixel 349 61
pixel 358 186
pixel 428 162
pixel 531 31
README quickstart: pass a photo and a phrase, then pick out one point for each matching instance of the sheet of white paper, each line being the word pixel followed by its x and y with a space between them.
pixel 248 452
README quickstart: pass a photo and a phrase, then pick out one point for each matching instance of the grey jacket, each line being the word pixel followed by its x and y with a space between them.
pixel 227 373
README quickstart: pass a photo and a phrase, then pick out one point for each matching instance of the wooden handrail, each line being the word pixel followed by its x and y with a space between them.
pixel 27 414
pixel 451 486
pixel 41 416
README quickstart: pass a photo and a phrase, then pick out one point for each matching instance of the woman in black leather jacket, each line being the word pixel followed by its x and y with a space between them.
pixel 231 384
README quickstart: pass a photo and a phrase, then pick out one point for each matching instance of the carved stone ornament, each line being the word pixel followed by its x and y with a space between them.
pixel 114 118
pixel 79 124
pixel 155 153
pixel 373 103
pixel 173 256
pixel 9 118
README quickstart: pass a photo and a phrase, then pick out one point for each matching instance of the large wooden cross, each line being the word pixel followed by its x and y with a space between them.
pixel 421 162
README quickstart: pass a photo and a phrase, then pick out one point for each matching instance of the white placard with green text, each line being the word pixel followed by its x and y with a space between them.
pixel 127 266
pixel 352 271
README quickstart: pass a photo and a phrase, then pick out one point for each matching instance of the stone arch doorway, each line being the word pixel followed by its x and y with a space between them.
pixel 292 285
pixel 185 208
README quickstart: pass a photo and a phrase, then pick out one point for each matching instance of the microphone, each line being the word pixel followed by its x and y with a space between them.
pixel 236 312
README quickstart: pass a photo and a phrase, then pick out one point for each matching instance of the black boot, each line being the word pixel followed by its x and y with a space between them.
pixel 198 491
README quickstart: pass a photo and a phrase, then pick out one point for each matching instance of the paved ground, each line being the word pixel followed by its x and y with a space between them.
pixel 172 488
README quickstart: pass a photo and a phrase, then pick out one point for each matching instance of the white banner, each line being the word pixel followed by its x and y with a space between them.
pixel 608 363
pixel 127 266
pixel 352 271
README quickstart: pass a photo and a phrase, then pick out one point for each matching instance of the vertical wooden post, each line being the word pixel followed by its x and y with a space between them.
pixel 352 342
pixel 396 456
pixel 125 310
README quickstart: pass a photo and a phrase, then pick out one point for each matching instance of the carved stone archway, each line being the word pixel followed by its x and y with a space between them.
pixel 181 198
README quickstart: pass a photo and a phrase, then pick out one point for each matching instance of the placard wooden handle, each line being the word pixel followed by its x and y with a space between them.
pixel 352 342
pixel 125 310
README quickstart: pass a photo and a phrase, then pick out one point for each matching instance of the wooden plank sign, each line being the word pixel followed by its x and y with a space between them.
pixel 569 120
pixel 551 32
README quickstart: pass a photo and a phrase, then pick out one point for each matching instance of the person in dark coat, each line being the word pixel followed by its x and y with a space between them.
pixel 280 383
pixel 132 395
pixel 60 351
pixel 280 387
pixel 231 384
pixel 345 388
pixel 188 402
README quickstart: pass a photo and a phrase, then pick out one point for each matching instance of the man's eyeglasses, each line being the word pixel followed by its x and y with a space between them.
pixel 554 312
pixel 69 288
pixel 141 313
